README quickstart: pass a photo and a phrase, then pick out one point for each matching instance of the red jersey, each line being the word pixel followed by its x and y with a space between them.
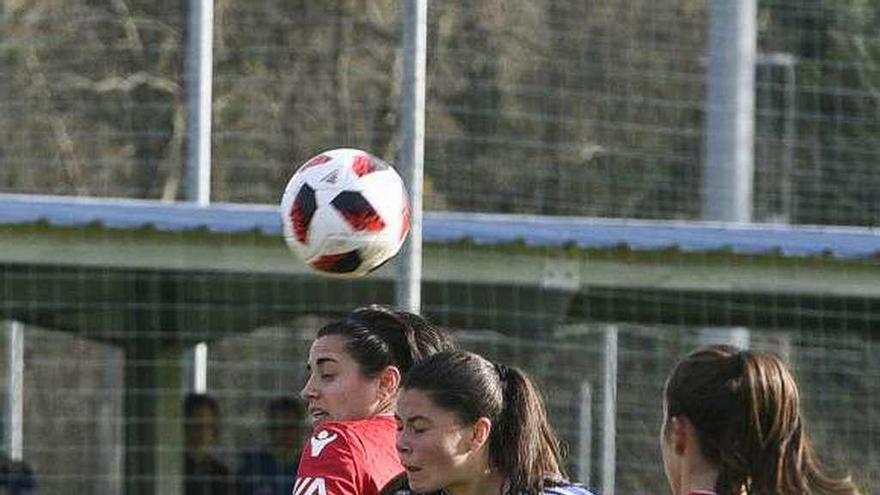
pixel 349 458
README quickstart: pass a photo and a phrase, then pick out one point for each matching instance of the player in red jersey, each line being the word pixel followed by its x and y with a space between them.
pixel 732 424
pixel 355 368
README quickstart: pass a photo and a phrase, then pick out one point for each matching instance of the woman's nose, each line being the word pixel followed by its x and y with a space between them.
pixel 402 443
pixel 308 391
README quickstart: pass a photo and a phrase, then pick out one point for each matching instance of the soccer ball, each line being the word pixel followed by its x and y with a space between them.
pixel 345 212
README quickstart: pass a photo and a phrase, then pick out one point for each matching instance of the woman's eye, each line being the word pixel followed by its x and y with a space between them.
pixel 327 376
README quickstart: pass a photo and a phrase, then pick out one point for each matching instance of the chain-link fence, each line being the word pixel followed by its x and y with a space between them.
pixel 583 107
pixel 569 107
pixel 75 422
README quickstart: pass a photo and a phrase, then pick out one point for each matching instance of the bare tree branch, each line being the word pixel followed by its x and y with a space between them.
pixel 123 84
pixel 63 140
pixel 135 43
pixel 172 160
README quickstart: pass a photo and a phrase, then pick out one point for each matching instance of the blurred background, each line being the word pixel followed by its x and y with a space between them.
pixel 570 109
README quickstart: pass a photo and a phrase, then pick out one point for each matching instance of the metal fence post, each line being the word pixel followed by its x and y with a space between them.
pixel 408 294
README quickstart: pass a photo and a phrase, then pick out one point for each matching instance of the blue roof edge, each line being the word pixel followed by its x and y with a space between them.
pixel 479 228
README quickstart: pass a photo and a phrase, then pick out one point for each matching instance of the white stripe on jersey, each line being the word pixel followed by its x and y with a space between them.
pixel 309 486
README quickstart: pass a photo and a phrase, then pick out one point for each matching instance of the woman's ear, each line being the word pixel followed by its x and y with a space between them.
pixel 679 430
pixel 389 382
pixel 481 430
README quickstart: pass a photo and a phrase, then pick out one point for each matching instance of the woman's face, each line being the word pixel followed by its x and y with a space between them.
pixel 336 389
pixel 434 447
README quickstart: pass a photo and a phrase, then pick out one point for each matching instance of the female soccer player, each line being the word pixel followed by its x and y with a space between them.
pixel 467 426
pixel 732 425
pixel 355 367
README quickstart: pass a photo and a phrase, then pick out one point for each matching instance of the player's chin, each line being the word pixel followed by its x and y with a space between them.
pixel 318 420
pixel 418 483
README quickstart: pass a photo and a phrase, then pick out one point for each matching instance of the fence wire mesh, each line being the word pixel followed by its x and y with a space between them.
pixel 567 107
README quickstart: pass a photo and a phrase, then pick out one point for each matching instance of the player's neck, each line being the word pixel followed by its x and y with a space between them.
pixel 697 476
pixel 699 484
pixel 490 484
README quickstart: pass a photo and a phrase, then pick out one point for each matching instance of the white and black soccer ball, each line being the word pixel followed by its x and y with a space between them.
pixel 345 212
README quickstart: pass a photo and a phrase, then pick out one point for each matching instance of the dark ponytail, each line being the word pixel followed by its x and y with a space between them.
pixel 522 444
pixel 377 337
pixel 745 408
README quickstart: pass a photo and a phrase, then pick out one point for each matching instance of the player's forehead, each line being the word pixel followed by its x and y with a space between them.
pixel 329 349
pixel 416 403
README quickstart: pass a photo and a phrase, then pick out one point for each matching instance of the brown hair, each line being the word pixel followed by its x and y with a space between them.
pixel 522 444
pixel 745 408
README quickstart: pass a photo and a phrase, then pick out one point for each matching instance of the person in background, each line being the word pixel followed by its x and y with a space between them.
pixel 203 473
pixel 16 477
pixel 468 426
pixel 354 370
pixel 733 425
pixel 271 470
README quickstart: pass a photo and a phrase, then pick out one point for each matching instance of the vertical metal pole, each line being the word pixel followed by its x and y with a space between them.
pixel 15 405
pixel 408 290
pixel 200 38
pixel 730 120
pixel 198 84
pixel 786 62
pixel 766 171
pixel 609 411
pixel 195 368
pixel 200 378
pixel 789 141
pixel 585 421
pixel 110 426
